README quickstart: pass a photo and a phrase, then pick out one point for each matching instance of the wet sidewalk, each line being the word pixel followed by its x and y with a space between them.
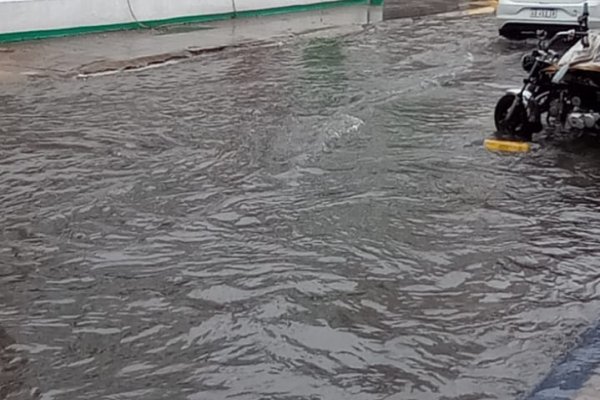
pixel 418 8
pixel 114 52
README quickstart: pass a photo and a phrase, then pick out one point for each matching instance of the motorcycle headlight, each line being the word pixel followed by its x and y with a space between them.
pixel 527 62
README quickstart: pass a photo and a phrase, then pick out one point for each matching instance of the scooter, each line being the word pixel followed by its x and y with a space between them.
pixel 563 89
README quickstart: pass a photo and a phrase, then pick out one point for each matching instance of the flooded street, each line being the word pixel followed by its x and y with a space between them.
pixel 312 220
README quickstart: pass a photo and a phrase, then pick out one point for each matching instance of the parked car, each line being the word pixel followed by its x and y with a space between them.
pixel 518 19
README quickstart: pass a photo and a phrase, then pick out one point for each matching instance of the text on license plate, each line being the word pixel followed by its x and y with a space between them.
pixel 544 13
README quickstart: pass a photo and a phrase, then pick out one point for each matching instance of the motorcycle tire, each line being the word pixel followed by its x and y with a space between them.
pixel 517 126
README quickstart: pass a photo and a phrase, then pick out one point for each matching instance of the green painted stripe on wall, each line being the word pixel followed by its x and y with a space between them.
pixel 54 33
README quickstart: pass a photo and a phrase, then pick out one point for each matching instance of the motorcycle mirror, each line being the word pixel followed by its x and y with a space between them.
pixel 583 18
pixel 541 34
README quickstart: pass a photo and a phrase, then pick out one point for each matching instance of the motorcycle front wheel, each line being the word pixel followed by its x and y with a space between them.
pixel 517 125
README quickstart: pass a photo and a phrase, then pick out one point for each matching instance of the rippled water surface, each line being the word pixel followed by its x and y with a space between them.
pixel 316 220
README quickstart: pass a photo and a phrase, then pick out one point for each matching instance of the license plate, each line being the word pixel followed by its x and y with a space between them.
pixel 544 13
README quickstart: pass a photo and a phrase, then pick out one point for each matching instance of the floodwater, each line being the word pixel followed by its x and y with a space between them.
pixel 311 220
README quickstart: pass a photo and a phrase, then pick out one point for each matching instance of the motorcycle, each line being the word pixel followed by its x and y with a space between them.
pixel 563 88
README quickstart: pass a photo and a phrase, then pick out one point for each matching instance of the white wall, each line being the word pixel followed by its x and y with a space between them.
pixel 249 5
pixel 39 15
pixel 36 15
pixel 151 10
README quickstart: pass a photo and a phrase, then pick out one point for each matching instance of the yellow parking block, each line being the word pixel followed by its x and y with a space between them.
pixel 479 7
pixel 506 146
pixel 481 11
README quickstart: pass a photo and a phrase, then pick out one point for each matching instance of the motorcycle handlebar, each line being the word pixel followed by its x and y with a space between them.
pixel 571 33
